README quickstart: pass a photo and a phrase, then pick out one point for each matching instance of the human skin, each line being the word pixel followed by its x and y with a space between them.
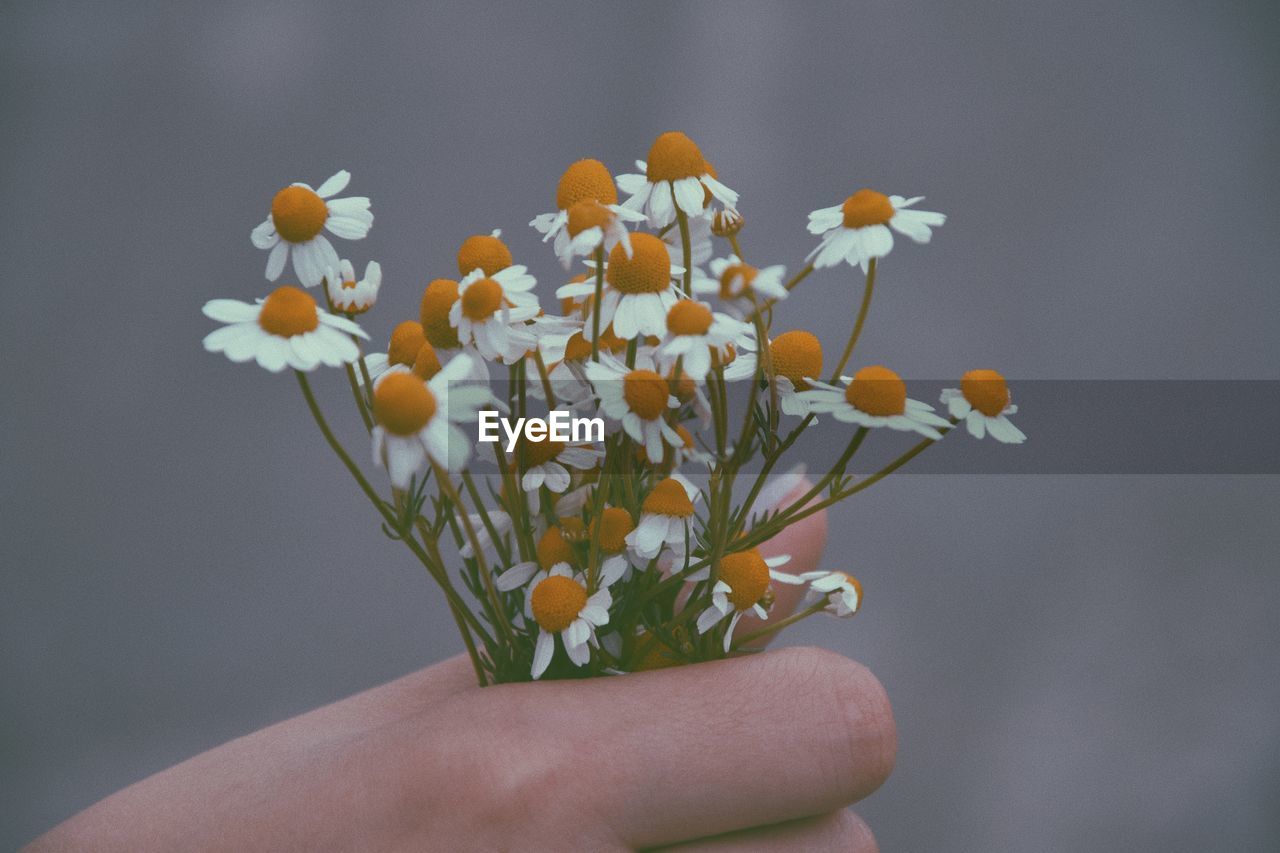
pixel 761 752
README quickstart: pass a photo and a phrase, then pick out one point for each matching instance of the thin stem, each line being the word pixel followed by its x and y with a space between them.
pixel 774 627
pixel 595 305
pixel 862 318
pixel 545 377
pixel 733 241
pixel 486 576
pixel 685 245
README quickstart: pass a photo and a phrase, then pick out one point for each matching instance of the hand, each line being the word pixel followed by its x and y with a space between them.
pixel 756 753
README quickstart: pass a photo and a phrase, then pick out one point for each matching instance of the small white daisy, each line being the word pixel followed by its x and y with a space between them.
pixel 664 520
pixel 858 230
pixel 558 603
pixel 547 463
pixel 796 357
pixel 417 421
pixel 352 297
pixel 874 397
pixel 298 215
pixel 287 328
pixel 675 175
pixel 591 226
pixel 843 593
pixel 982 402
pixel 637 399
pixel 741 286
pixel 694 332
pixel 740 587
pixel 491 312
pixel 639 292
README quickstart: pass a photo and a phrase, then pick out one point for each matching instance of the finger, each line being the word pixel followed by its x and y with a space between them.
pixel 663 756
pixel 804 541
pixel 839 831
pixel 407 695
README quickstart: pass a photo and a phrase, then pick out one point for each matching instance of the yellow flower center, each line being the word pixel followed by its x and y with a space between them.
pixel 298 214
pixel 588 214
pixel 612 527
pixel 648 270
pixel 406 340
pixel 574 531
pixel 867 207
pixel 437 299
pixel 585 180
pixel 537 452
pixel 797 354
pixel 556 602
pixel 683 389
pixel 747 575
pixel 986 391
pixel 645 393
pixel 481 299
pixel 668 498
pixel 687 317
pixel 288 311
pixel 554 548
pixel 736 280
pixel 674 156
pixel 403 403
pixel 877 391
pixel 483 252
pixel 427 363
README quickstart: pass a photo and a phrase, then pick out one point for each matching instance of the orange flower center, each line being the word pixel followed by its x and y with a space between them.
pixel 585 180
pixel 674 156
pixel 736 280
pixel 437 299
pixel 406 339
pixel 867 207
pixel 986 391
pixel 877 391
pixel 298 214
pixel 797 354
pixel 403 403
pixel 687 317
pixel 537 452
pixel 288 311
pixel 648 270
pixel 588 214
pixel 645 393
pixel 556 602
pixel 668 498
pixel 747 575
pixel 427 363
pixel 483 252
pixel 612 528
pixel 481 299
pixel 554 548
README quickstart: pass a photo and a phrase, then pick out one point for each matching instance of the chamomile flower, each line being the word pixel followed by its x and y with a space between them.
pixel 287 329
pixel 858 230
pixel 437 303
pixel 587 212
pixel 547 462
pixel 611 530
pixel 298 216
pixel 406 342
pixel 352 297
pixel 740 286
pixel 558 603
pixel 675 176
pixel 491 311
pixel 741 587
pixel 693 333
pixel 417 421
pixel 664 520
pixel 640 289
pixel 483 252
pixel 843 593
pixel 875 397
pixel 592 225
pixel 982 402
pixel 638 399
pixel 796 358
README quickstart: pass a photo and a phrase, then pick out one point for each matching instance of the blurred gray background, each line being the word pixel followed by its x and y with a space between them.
pixel 1077 662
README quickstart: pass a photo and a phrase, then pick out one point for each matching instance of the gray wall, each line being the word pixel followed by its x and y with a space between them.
pixel 1077 662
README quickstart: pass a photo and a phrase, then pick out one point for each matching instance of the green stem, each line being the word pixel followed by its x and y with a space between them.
pixel 862 318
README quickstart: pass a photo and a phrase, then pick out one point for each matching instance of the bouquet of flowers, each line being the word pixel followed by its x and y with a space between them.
pixel 613 523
